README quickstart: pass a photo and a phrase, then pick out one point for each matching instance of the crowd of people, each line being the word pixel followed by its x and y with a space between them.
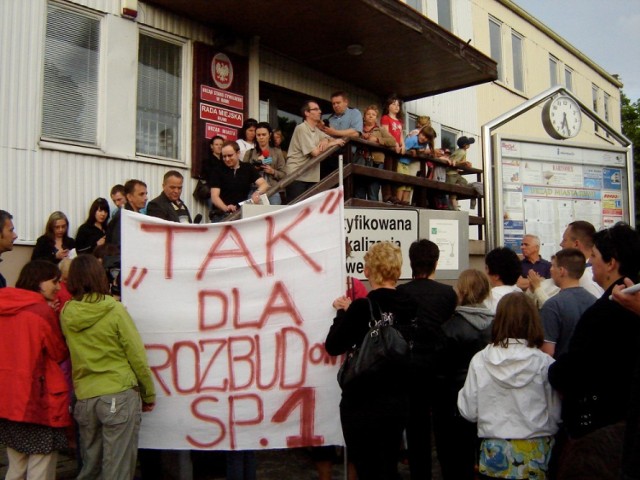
pixel 512 384
pixel 521 371
pixel 234 176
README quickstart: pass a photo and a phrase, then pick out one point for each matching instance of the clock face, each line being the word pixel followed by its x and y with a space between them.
pixel 562 117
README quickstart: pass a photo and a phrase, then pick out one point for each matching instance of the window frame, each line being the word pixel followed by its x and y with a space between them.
pixel 518 70
pixel 500 54
pixel 568 78
pixel 554 63
pixel 182 129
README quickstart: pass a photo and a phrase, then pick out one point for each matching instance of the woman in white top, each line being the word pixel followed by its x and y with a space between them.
pixel 247 136
pixel 507 392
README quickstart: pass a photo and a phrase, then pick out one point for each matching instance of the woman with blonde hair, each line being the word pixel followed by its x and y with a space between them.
pixel 467 332
pixel 374 407
pixel 56 243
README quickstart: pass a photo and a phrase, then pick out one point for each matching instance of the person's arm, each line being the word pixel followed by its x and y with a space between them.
pixel 276 169
pixel 522 283
pixel 347 132
pixel 348 328
pixel 263 186
pixel 355 125
pixel 325 144
pixel 468 395
pixel 549 348
pixel 43 250
pixel 630 301
pixel 135 353
pixel 218 203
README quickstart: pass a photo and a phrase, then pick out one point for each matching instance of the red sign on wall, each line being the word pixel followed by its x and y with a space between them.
pixel 229 99
pixel 221 115
pixel 211 130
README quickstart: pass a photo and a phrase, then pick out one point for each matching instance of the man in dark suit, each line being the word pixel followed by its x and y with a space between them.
pixel 168 205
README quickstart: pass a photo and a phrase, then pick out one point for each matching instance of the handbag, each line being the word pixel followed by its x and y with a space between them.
pixel 202 191
pixel 382 346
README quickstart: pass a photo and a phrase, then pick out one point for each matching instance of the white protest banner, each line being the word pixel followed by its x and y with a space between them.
pixel 234 317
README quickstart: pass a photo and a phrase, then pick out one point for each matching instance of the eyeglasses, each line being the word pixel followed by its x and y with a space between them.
pixel 314 109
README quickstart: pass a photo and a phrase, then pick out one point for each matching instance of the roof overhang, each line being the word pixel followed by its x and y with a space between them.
pixel 402 51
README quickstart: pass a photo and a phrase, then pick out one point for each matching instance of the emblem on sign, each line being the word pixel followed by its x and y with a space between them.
pixel 222 71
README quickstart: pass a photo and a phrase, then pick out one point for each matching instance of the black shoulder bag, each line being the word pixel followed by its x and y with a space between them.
pixel 383 345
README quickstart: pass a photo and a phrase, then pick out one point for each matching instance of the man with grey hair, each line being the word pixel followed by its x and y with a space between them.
pixel 7 237
pixel 168 204
pixel 531 260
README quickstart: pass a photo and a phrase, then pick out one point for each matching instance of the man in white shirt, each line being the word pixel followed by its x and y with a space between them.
pixel 579 234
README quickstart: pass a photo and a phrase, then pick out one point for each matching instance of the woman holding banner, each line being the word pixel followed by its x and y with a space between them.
pixel 374 408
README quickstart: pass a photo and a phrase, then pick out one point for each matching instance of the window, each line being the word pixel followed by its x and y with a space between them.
pixel 518 67
pixel 444 14
pixel 594 96
pixel 553 71
pixel 448 139
pixel 159 97
pixel 71 59
pixel 495 39
pixel 568 78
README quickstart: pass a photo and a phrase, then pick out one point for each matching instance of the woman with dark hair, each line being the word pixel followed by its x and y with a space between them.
pixel 374 408
pixel 467 332
pixel 247 136
pixel 93 231
pixel 508 394
pixel 111 377
pixel 267 159
pixel 34 398
pixel 594 376
pixel 55 244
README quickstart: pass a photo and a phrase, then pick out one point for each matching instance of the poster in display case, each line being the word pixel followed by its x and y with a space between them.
pixel 544 187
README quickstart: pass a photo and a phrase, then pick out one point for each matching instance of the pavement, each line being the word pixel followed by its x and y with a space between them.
pixel 295 464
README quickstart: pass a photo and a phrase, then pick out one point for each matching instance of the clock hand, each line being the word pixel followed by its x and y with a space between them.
pixel 565 124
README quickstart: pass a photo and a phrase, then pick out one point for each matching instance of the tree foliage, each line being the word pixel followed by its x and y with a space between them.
pixel 631 130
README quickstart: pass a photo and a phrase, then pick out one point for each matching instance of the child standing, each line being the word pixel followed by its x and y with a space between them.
pixel 391 122
pixel 459 159
pixel 507 392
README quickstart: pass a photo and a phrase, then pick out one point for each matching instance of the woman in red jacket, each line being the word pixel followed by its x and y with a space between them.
pixel 34 402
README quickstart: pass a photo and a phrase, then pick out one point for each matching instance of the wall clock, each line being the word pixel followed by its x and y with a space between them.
pixel 562 117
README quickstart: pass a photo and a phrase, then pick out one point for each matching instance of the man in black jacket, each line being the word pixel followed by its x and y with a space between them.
pixel 168 205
